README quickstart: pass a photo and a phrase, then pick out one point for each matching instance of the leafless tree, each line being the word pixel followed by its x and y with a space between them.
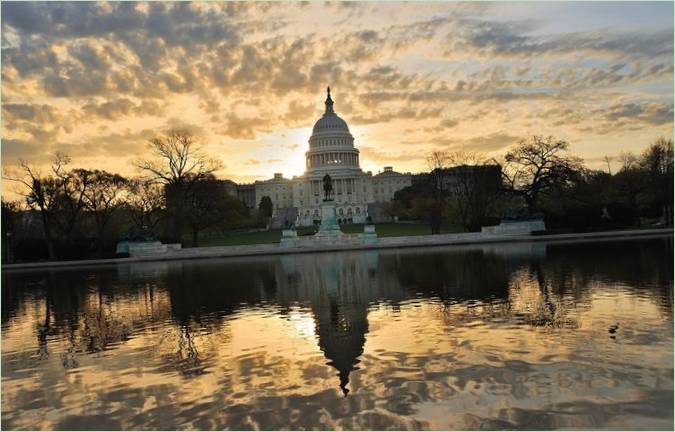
pixel 102 198
pixel 628 160
pixel 178 163
pixel 438 163
pixel 608 160
pixel 657 161
pixel 474 187
pixel 178 160
pixel 43 193
pixel 145 202
pixel 534 166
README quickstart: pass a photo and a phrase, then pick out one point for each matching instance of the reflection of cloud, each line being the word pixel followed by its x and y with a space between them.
pixel 229 344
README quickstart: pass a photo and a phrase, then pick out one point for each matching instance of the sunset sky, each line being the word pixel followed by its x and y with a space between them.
pixel 98 80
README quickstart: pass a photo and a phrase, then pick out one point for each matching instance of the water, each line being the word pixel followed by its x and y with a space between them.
pixel 499 336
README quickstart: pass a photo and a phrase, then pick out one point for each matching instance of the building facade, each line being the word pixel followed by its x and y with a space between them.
pixel 331 151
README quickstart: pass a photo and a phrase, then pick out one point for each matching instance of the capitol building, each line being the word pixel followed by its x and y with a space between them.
pixel 357 194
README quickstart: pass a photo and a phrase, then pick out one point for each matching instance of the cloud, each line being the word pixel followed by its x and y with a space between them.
pixel 39 113
pixel 244 127
pixel 514 39
pixel 298 112
pixel 430 75
pixel 651 113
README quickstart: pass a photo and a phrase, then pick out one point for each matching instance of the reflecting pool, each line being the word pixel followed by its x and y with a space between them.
pixel 526 336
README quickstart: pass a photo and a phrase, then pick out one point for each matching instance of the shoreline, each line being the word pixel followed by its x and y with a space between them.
pixel 383 243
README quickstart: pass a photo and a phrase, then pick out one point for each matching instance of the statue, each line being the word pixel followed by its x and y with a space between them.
pixel 327 188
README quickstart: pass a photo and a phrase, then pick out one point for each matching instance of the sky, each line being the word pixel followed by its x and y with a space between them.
pixel 97 81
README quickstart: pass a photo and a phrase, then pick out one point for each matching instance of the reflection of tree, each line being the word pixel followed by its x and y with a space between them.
pixel 452 274
pixel 101 328
pixel 537 296
pixel 44 329
pixel 186 358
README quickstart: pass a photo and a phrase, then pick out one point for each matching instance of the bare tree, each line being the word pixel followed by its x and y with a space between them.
pixel 473 187
pixel 10 213
pixel 71 200
pixel 438 163
pixel 178 163
pixel 533 166
pixel 43 193
pixel 628 160
pixel 657 161
pixel 102 198
pixel 177 159
pixel 608 160
pixel 145 202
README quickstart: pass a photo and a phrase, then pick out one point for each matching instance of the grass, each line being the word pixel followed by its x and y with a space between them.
pixel 259 237
pixel 274 236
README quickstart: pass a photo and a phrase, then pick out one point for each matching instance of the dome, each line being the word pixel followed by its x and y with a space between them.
pixel 330 122
pixel 331 146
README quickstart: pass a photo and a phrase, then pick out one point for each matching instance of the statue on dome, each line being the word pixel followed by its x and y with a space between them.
pixel 327 188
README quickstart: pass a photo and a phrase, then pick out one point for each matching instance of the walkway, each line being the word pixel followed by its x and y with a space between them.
pixel 383 243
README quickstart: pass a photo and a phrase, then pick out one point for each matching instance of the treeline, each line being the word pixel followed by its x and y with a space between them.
pixel 539 177
pixel 80 213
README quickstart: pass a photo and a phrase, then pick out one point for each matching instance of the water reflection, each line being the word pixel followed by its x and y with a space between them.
pixel 497 336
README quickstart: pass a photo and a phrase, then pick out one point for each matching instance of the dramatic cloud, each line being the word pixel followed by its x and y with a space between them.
pixel 98 80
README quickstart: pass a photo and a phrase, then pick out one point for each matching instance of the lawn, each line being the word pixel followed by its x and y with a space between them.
pixel 274 236
pixel 259 237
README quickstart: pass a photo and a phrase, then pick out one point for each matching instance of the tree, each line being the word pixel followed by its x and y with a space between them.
pixel 71 200
pixel 473 186
pixel 10 212
pixel 178 163
pixel 266 208
pixel 534 166
pixel 207 204
pixel 102 198
pixel 657 161
pixel 43 193
pixel 438 163
pixel 145 202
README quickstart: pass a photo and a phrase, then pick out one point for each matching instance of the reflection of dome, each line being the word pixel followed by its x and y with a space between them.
pixel 342 329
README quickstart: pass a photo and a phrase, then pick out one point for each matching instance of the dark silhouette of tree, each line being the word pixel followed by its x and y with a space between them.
pixel 265 207
pixel 102 198
pixel 657 161
pixel 209 205
pixel 534 166
pixel 474 188
pixel 10 212
pixel 145 203
pixel 438 163
pixel 178 163
pixel 43 193
pixel 71 201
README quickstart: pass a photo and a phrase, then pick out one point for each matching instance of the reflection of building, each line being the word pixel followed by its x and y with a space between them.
pixel 340 287
pixel 332 151
pixel 342 329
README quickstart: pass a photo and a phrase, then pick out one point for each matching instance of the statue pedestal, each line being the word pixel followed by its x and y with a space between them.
pixel 329 230
pixel 289 238
pixel 369 234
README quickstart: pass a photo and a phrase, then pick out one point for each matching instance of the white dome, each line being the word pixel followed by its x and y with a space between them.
pixel 331 146
pixel 330 130
pixel 330 122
